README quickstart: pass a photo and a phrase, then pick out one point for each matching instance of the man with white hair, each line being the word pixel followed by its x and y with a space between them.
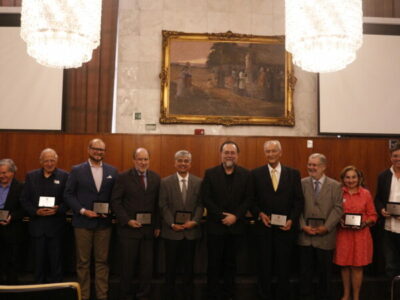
pixel 277 203
pixel 43 200
pixel 11 229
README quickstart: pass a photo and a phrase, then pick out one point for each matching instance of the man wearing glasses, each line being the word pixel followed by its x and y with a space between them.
pixel 88 193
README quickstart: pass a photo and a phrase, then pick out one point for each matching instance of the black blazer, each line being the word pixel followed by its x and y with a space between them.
pixel 216 199
pixel 383 190
pixel 129 197
pixel 13 232
pixel 286 200
pixel 44 225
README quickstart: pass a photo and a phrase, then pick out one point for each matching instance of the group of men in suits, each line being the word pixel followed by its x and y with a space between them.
pixel 146 206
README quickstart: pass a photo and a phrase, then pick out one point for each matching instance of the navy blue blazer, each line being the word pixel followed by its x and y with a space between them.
pixel 80 192
pixel 49 226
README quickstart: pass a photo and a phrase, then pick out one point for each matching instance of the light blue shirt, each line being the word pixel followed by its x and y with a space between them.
pixel 3 195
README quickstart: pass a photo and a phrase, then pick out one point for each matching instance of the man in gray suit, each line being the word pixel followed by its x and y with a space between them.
pixel 181 212
pixel 322 212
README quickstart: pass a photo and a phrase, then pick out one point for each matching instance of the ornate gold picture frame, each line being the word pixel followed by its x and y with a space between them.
pixel 227 79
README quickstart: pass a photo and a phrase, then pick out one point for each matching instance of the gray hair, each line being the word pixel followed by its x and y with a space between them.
pixel 48 150
pixel 321 157
pixel 139 150
pixel 10 163
pixel 273 142
pixel 183 153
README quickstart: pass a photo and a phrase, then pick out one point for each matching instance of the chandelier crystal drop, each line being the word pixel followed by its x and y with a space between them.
pixel 323 35
pixel 61 33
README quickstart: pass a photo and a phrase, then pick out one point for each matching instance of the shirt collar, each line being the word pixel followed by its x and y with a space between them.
pixel 180 177
pixel 7 186
pixel 140 173
pixel 321 180
pixel 93 166
pixel 278 168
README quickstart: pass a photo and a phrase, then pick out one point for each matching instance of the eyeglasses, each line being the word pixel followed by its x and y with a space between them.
pixel 97 149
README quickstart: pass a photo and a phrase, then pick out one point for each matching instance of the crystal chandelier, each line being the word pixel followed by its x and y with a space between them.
pixel 61 33
pixel 323 35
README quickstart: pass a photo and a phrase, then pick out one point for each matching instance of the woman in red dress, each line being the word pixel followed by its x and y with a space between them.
pixel 354 243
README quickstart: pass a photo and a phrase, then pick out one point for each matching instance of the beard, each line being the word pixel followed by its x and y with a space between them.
pixel 229 164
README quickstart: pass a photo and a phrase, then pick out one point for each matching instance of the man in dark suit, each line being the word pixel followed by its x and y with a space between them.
pixel 322 212
pixel 11 230
pixel 225 196
pixel 88 192
pixel 42 199
pixel 181 212
pixel 388 190
pixel 135 203
pixel 277 203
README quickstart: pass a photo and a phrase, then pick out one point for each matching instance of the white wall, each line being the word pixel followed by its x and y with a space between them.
pixel 140 52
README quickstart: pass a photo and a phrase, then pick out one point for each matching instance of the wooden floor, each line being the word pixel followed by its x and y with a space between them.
pixel 373 288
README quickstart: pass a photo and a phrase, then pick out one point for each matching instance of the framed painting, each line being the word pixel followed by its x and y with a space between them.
pixel 227 79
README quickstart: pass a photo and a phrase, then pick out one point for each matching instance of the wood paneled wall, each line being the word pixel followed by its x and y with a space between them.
pixel 368 154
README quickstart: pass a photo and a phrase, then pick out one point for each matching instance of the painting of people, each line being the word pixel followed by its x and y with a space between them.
pixel 226 79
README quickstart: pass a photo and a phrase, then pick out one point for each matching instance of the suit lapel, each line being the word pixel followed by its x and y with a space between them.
pixel 282 178
pixel 136 179
pixel 10 196
pixel 88 170
pixel 177 190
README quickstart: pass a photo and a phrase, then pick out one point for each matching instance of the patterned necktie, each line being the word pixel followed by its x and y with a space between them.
pixel 274 179
pixel 142 182
pixel 184 190
pixel 317 187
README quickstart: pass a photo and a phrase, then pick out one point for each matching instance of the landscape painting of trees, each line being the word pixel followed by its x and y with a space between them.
pixel 226 79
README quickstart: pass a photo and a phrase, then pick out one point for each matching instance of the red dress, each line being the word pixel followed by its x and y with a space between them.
pixel 354 247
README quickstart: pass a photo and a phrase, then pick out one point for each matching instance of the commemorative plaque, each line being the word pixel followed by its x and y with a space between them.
pixel 315 222
pixel 4 215
pixel 278 220
pixel 101 208
pixel 393 208
pixel 352 220
pixel 181 217
pixel 46 202
pixel 143 218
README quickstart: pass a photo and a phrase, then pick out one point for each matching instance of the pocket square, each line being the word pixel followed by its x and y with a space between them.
pixel 109 177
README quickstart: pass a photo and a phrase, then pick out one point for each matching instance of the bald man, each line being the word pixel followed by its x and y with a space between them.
pixel 89 186
pixel 135 203
pixel 42 198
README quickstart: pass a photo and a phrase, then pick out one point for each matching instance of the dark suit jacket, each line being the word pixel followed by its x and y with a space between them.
pixel 13 232
pixel 383 190
pixel 129 198
pixel 80 192
pixel 44 225
pixel 217 199
pixel 171 201
pixel 286 200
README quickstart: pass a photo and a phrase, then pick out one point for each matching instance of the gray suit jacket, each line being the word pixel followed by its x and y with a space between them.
pixel 327 205
pixel 171 201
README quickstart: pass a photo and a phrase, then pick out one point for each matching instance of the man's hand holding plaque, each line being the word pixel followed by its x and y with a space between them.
pixel 393 209
pixel 5 217
pixel 182 217
pixel 144 218
pixel 101 208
